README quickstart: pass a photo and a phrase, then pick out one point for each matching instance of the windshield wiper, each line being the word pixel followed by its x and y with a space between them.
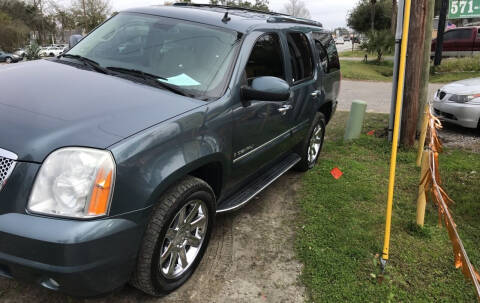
pixel 89 62
pixel 154 79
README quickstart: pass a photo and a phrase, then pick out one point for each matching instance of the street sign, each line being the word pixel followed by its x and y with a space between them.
pixel 464 9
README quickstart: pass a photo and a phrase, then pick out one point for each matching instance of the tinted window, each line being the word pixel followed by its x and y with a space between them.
pixel 322 55
pixel 327 42
pixel 266 58
pixel 461 34
pixel 300 56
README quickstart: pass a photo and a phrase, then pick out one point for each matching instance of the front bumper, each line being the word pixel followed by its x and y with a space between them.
pixel 463 114
pixel 80 258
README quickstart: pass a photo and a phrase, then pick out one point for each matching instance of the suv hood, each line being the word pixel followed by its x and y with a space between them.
pixel 46 105
pixel 463 87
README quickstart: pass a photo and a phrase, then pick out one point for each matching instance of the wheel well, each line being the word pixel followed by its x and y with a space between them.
pixel 326 109
pixel 212 174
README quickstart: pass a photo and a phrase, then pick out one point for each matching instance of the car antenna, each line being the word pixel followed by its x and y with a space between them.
pixel 226 18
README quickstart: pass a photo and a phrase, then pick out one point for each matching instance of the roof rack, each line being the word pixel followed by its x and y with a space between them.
pixel 275 17
pixel 291 19
pixel 228 7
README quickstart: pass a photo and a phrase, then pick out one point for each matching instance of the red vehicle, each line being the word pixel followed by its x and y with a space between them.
pixel 460 42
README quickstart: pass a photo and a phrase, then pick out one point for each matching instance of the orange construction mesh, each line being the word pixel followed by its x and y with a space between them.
pixel 432 182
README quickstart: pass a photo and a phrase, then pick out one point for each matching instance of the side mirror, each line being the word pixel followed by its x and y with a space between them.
pixel 266 89
pixel 74 39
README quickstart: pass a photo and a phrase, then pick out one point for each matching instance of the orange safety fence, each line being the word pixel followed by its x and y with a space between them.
pixel 432 182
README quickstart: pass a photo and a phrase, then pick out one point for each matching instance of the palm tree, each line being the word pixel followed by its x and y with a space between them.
pixel 372 19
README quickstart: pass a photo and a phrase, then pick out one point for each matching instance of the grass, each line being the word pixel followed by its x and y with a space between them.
pixel 358 53
pixel 342 224
pixel 372 71
pixel 383 71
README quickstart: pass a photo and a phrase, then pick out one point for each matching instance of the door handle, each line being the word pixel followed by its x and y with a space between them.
pixel 316 94
pixel 284 109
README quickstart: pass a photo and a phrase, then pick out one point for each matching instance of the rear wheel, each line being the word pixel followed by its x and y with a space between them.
pixel 176 237
pixel 8 60
pixel 311 147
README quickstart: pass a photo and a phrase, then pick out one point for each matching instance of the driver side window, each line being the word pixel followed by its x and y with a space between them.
pixel 266 58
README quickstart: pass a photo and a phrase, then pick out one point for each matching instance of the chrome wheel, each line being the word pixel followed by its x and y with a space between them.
pixel 315 143
pixel 183 239
pixel 8 60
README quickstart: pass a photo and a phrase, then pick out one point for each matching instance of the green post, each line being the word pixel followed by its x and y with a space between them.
pixel 355 120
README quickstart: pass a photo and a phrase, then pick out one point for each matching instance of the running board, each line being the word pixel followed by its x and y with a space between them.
pixel 242 197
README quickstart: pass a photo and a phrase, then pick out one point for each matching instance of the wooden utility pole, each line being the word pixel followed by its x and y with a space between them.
pixel 393 26
pixel 441 29
pixel 424 95
pixel 413 75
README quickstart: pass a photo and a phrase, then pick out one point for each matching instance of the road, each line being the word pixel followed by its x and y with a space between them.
pixel 376 94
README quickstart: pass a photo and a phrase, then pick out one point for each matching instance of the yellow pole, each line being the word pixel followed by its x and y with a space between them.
pixel 423 135
pixel 422 198
pixel 396 128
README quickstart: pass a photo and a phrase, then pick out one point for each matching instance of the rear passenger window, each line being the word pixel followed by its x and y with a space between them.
pixel 266 58
pixel 327 44
pixel 300 56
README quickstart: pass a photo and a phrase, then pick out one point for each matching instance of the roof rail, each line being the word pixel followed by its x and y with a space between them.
pixel 291 19
pixel 275 17
pixel 227 7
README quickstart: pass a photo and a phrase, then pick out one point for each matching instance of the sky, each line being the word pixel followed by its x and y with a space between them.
pixel 332 13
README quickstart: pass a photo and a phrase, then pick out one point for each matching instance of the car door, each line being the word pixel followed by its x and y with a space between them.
pixel 326 52
pixel 303 76
pixel 261 129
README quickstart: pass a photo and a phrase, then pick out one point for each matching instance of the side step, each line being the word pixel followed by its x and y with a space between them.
pixel 241 198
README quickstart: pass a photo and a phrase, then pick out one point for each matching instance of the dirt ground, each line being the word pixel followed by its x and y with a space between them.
pixel 250 259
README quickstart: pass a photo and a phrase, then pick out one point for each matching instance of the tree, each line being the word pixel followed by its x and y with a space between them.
pixel 379 42
pixel 360 18
pixel 13 32
pixel 297 8
pixel 91 13
pixel 372 14
pixel 261 5
pixel 64 17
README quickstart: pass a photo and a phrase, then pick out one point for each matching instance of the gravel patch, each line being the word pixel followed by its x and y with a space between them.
pixel 455 136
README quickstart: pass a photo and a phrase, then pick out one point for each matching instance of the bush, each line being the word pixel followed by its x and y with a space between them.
pixel 379 42
pixel 466 64
pixel 32 52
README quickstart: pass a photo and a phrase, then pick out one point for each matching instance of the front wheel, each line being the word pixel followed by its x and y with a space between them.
pixel 311 147
pixel 176 237
pixel 8 60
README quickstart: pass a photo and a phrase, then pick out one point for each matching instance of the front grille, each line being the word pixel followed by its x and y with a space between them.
pixel 442 95
pixel 6 168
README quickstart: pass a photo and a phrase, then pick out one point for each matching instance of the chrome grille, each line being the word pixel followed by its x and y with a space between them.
pixel 6 168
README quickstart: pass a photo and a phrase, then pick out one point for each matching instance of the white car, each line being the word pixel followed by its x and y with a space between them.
pixel 339 40
pixel 459 103
pixel 51 51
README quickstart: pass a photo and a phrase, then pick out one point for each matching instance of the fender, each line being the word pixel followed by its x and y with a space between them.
pixel 151 161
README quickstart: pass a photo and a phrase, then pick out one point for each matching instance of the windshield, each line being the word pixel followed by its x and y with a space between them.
pixel 193 57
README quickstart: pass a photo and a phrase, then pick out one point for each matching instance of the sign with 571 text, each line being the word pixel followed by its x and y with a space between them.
pixel 464 9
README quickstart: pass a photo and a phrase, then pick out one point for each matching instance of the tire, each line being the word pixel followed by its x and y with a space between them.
pixel 317 128
pixel 8 60
pixel 152 275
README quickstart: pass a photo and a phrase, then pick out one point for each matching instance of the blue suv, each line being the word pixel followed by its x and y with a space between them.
pixel 116 160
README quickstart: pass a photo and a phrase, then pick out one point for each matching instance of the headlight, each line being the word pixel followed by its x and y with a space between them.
pixel 463 98
pixel 74 182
